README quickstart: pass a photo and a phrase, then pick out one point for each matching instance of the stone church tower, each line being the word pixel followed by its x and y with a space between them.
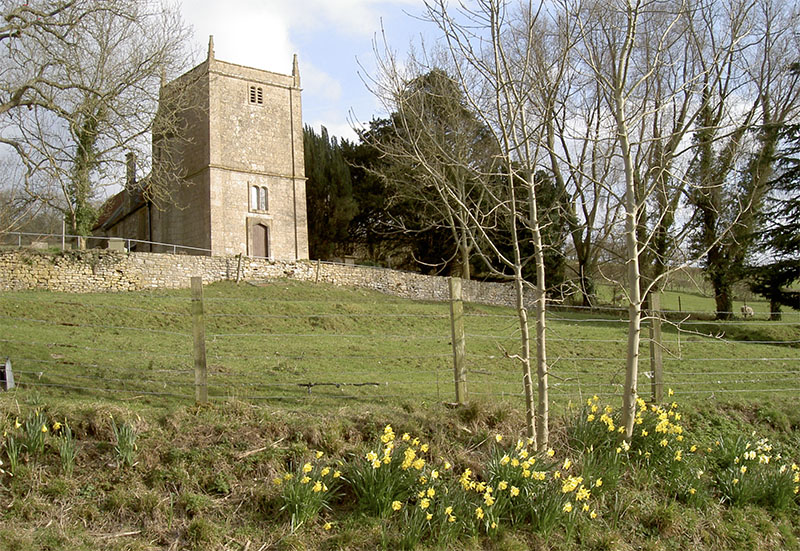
pixel 231 162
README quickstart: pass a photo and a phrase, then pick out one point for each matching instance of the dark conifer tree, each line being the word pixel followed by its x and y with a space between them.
pixel 329 195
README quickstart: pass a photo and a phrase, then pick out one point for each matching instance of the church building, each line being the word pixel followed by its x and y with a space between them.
pixel 228 173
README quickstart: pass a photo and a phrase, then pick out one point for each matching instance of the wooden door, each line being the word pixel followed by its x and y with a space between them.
pixel 260 240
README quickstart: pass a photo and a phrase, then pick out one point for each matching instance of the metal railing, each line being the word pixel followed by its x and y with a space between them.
pixel 60 240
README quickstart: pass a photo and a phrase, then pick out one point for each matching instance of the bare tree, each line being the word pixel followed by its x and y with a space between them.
pixel 663 67
pixel 429 120
pixel 88 74
pixel 737 138
pixel 491 64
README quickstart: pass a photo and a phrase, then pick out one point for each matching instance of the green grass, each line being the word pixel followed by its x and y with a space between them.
pixel 201 477
pixel 691 299
pixel 317 346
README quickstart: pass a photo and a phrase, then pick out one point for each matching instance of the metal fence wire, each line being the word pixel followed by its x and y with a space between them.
pixel 258 350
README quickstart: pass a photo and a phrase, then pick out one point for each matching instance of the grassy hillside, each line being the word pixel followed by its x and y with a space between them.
pixel 317 345
pixel 189 477
pixel 203 478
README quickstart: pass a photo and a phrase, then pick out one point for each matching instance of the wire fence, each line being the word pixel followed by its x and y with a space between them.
pixel 262 347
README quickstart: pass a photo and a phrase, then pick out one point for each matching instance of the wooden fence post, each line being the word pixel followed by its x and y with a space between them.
pixel 656 362
pixel 457 333
pixel 200 369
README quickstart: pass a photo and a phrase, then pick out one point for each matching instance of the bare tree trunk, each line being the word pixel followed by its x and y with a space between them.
pixel 634 274
pixel 525 354
pixel 464 249
pixel 543 410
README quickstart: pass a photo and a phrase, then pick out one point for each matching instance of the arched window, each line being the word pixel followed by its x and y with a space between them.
pixel 263 201
pixel 259 198
pixel 253 198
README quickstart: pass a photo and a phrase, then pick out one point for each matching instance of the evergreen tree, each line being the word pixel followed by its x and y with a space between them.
pixel 781 238
pixel 329 195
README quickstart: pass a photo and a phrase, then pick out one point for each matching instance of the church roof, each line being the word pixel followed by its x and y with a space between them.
pixel 120 206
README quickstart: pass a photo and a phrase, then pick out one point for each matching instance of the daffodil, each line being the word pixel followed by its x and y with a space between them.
pixel 397 505
pixel 327 526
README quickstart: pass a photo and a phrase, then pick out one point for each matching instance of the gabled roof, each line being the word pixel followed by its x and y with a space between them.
pixel 119 206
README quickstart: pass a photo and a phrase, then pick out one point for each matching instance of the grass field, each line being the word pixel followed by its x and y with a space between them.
pixel 316 345
pixel 202 476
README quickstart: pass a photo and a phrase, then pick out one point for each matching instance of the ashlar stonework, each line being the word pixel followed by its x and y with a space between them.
pixel 237 182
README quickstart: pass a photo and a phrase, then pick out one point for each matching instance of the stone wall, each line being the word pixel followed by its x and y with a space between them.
pixel 103 270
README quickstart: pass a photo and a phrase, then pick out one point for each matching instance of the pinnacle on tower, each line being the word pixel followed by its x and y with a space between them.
pixel 295 71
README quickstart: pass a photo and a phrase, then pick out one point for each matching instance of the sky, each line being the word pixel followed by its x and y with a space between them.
pixel 333 40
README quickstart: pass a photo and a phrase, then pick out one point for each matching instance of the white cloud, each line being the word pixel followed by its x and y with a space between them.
pixel 327 35
pixel 248 34
pixel 341 130
pixel 319 83
pixel 346 16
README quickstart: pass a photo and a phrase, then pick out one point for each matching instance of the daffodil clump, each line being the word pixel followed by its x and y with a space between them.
pixel 400 479
pixel 24 441
pixel 754 473
pixel 125 438
pixel 391 471
pixel 737 471
pixel 538 489
pixel 35 430
pixel 308 489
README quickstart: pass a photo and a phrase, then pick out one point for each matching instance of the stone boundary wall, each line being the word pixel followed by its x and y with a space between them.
pixel 102 270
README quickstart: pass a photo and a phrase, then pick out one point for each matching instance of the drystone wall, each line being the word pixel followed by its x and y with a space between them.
pixel 103 270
